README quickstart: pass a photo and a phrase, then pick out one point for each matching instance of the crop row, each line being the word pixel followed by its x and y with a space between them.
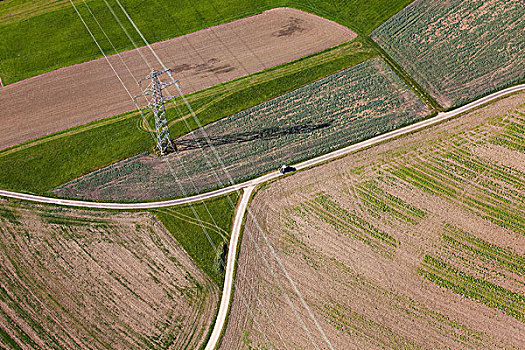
pixel 379 201
pixel 486 188
pixel 512 137
pixel 324 208
pixel 459 51
pixel 398 306
pixel 358 325
pixel 477 165
pixel 462 240
pixel 494 296
pixel 423 181
pixel 8 214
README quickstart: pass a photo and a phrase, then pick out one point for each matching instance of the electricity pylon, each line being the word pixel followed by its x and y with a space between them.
pixel 154 89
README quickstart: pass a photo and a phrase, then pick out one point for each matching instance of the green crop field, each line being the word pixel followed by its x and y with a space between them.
pixel 352 105
pixel 67 155
pixel 458 51
pixel 41 36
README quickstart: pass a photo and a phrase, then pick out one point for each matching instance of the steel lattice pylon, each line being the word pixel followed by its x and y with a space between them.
pixel 163 139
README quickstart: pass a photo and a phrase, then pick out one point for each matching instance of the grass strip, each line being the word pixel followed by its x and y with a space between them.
pixel 189 233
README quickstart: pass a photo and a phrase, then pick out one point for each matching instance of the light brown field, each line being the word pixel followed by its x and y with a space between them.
pixel 370 241
pixel 74 279
pixel 90 91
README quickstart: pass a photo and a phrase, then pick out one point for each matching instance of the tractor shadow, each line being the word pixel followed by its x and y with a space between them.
pixel 187 144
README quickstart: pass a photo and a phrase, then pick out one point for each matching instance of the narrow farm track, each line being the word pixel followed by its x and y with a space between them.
pixel 248 187
pixel 230 269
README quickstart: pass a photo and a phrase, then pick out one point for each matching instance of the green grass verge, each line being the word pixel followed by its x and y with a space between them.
pixel 14 11
pixel 217 218
pixel 38 166
pixel 47 164
pixel 42 38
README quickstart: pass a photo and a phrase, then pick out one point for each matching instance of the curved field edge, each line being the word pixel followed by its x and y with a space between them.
pixel 194 226
pixel 56 39
pixel 66 155
pixel 143 288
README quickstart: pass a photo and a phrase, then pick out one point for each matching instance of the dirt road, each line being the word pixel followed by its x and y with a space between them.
pixel 90 91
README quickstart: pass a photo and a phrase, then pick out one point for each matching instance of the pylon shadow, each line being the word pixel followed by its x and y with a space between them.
pixel 188 143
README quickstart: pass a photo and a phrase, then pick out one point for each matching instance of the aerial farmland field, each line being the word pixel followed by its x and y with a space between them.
pixel 66 155
pixel 78 279
pixel 415 243
pixel 458 50
pixel 287 174
pixel 357 103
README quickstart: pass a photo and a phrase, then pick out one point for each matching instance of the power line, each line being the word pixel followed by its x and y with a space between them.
pixel 222 164
pixel 171 169
pixel 303 302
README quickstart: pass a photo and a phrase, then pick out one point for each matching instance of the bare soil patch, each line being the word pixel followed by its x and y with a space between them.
pixel 399 246
pixel 90 91
pixel 75 279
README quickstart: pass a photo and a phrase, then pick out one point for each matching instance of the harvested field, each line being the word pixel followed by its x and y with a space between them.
pixel 458 50
pixel 90 91
pixel 404 245
pixel 76 279
pixel 346 107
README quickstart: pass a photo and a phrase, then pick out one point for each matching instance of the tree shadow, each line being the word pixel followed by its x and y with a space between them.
pixel 264 134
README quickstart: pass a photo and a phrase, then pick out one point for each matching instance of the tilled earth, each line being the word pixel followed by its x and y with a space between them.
pixel 403 245
pixel 75 279
pixel 90 91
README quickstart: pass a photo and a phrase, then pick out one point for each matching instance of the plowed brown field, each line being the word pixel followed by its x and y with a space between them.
pixel 90 91
pixel 414 244
pixel 76 279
